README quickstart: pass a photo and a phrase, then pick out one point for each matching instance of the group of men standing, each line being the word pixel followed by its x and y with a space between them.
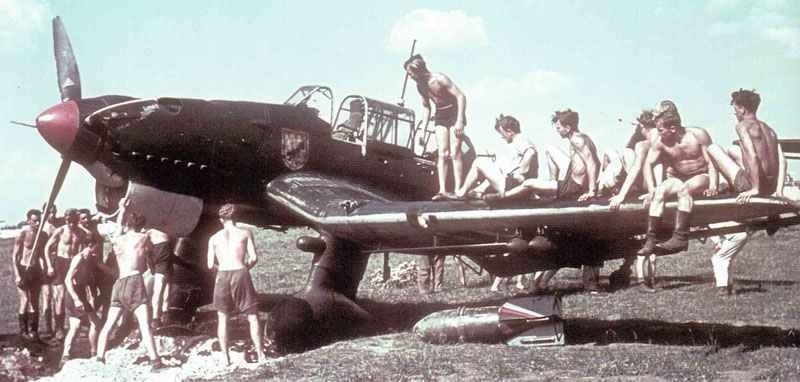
pixel 75 282
pixel 88 289
pixel 665 159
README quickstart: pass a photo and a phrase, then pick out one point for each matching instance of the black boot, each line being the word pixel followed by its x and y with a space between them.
pixel 48 322
pixel 679 241
pixel 650 243
pixel 23 325
pixel 33 321
pixel 59 329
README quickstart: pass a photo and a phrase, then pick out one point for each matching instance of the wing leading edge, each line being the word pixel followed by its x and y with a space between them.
pixel 357 212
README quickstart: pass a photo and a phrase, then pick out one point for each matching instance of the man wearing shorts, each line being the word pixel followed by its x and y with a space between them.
pixel 683 151
pixel 523 165
pixel 66 241
pixel 79 301
pixel 161 268
pixel 580 181
pixel 129 293
pixel 758 165
pixel 49 225
pixel 232 250
pixel 27 264
pixel 449 119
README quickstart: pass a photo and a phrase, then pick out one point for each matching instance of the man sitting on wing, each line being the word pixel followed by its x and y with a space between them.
pixel 684 151
pixel 580 181
pixel 758 166
pixel 523 165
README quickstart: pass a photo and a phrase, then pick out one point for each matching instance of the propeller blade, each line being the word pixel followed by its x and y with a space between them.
pixel 69 78
pixel 59 181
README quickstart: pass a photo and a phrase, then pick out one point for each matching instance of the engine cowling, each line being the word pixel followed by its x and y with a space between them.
pixel 175 214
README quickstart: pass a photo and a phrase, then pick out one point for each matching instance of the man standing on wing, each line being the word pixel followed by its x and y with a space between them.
pixel 449 119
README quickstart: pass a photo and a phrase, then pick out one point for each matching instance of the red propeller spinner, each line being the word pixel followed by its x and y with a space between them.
pixel 59 125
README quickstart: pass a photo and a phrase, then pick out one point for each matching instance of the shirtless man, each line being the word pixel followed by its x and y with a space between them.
pixel 449 119
pixel 640 142
pixel 46 298
pixel 161 267
pixel 758 166
pixel 81 296
pixel 130 248
pixel 523 165
pixel 234 252
pixel 584 166
pixel 27 264
pixel 66 241
pixel 684 151
pixel 580 182
pixel 103 272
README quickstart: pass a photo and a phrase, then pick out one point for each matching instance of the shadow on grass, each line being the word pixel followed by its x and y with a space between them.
pixel 401 317
pixel 602 332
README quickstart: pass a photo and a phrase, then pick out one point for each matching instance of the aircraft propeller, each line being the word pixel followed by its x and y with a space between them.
pixel 59 124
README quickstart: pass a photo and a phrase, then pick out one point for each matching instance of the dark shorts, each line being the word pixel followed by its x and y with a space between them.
pixel 742 183
pixel 684 177
pixel 161 259
pixel 234 292
pixel 446 115
pixel 30 278
pixel 61 266
pixel 569 189
pixel 511 182
pixel 129 292
pixel 69 303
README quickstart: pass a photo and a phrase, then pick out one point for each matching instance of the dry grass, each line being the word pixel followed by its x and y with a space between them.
pixel 684 332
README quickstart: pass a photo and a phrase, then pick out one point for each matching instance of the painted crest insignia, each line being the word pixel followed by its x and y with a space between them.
pixel 294 148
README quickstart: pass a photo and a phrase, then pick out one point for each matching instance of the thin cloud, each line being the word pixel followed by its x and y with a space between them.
pixel 530 97
pixel 787 37
pixel 18 18
pixel 775 21
pixel 437 30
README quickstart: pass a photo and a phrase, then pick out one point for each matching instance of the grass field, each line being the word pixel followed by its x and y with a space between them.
pixel 684 332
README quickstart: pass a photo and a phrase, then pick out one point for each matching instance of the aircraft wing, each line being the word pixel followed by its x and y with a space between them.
pixel 356 212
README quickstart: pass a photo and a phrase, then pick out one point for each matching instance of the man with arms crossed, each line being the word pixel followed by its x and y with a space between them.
pixel 684 151
pixel 27 263
pixel 66 241
pixel 233 249
pixel 449 119
pixel 129 293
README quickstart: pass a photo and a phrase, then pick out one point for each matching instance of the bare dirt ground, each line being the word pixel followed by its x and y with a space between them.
pixel 683 332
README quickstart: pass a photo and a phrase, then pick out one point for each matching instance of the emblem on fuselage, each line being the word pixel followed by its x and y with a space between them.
pixel 294 148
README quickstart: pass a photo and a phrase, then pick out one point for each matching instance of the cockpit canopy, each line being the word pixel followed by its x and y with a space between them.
pixel 365 121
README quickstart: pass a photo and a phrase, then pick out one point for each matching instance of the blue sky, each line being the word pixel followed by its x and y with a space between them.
pixel 605 59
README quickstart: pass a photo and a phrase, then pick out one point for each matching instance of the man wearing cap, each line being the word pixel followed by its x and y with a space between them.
pixel 690 172
pixel 449 119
